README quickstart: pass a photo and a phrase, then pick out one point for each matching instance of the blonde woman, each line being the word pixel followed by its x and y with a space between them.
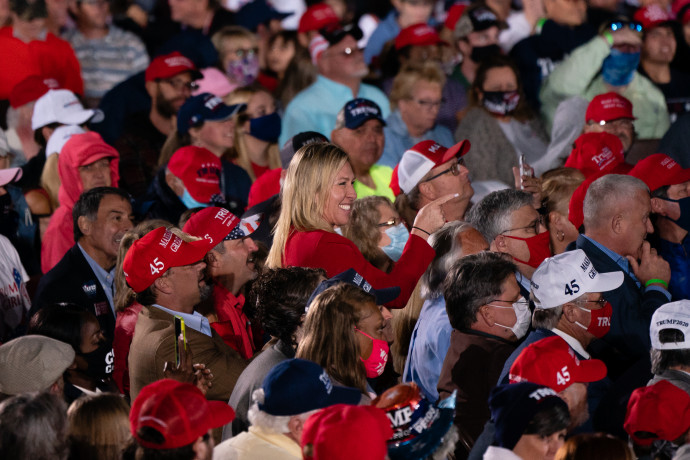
pixel 99 426
pixel 558 186
pixel 318 197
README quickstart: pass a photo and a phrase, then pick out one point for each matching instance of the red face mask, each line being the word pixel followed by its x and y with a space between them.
pixel 539 248
pixel 600 322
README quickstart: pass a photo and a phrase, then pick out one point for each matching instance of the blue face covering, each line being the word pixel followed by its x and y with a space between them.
pixel 398 236
pixel 190 202
pixel 619 68
pixel 266 128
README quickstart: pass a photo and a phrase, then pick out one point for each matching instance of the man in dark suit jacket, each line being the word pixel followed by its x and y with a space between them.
pixel 86 274
pixel 616 219
pixel 166 273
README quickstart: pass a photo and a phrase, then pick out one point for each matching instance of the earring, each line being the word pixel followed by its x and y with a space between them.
pixel 560 236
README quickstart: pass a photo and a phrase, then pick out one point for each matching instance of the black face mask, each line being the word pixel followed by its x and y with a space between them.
pixel 482 53
pixel 9 218
pixel 99 362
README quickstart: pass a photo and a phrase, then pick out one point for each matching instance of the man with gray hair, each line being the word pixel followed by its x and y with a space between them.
pixel 616 218
pixel 511 225
pixel 291 392
pixel 430 339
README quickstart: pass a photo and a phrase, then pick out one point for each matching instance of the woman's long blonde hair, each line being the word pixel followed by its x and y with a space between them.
pixel 307 184
pixel 329 333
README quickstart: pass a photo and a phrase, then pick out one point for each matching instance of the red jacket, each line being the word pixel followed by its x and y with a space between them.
pixel 52 57
pixel 335 254
pixel 232 325
pixel 124 331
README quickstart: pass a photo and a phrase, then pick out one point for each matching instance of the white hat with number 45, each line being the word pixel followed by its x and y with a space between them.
pixel 568 276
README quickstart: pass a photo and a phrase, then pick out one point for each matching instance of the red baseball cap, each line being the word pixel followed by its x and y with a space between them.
pixel 659 170
pixel 597 154
pixel 199 170
pixel 169 65
pixel 178 411
pixel 215 224
pixel 418 35
pixel 651 16
pixel 552 363
pixel 30 89
pixel 317 17
pixel 607 107
pixel 660 411
pixel 421 159
pixel 454 13
pixel 153 254
pixel 344 432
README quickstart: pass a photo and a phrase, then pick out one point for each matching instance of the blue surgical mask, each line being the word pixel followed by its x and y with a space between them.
pixel 190 202
pixel 398 236
pixel 619 68
pixel 266 128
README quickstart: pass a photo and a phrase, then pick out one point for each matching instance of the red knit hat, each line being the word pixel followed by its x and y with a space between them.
pixel 199 170
pixel 659 170
pixel 178 411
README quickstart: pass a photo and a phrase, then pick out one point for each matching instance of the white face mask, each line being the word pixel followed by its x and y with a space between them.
pixel 523 317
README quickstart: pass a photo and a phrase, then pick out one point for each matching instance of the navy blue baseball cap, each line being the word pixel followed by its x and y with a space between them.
pixel 514 405
pixel 297 386
pixel 383 296
pixel 204 107
pixel 358 111
pixel 258 12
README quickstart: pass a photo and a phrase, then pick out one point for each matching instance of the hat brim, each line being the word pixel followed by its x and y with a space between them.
pixel 385 295
pixel 370 117
pixel 221 414
pixel 226 112
pixel 590 370
pixel 458 150
pixel 605 282
pixel 81 117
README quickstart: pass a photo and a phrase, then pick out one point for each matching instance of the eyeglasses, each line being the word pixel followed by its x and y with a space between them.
pixel 618 123
pixel 454 170
pixel 601 303
pixel 533 227
pixel 242 52
pixel 179 85
pixel 617 25
pixel 427 104
pixel 521 303
pixel 389 223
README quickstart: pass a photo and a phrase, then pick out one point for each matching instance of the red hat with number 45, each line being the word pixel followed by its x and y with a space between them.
pixel 153 254
pixel 552 363
pixel 421 159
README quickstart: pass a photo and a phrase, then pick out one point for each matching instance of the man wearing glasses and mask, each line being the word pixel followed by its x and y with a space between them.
pixel 170 80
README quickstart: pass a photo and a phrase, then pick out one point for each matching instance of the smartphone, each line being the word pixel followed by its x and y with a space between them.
pixel 179 329
pixel 525 170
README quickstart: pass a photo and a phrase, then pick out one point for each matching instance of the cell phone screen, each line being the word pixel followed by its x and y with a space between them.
pixel 179 329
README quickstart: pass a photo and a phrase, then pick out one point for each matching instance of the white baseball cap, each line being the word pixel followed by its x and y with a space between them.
pixel 565 277
pixel 62 106
pixel 673 315
pixel 421 159
pixel 60 136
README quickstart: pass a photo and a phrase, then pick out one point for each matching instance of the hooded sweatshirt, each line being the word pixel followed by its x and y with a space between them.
pixel 80 150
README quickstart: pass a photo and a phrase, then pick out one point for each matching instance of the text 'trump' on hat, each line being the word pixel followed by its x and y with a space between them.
pixel 597 154
pixel 214 224
pixel 565 277
pixel 673 315
pixel 156 252
pixel 552 362
pixel 357 112
pixel 178 411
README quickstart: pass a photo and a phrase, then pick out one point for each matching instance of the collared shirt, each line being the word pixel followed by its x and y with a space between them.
pixel 196 320
pixel 316 107
pixel 523 281
pixel 573 342
pixel 233 325
pixel 106 278
pixel 625 265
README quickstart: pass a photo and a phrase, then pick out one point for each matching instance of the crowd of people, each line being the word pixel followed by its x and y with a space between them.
pixel 339 229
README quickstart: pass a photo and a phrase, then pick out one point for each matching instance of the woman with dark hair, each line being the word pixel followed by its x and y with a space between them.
pixel 499 124
pixel 279 296
pixel 531 422
pixel 343 333
pixel 79 328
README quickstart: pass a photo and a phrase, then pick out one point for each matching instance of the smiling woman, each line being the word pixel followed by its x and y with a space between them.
pixel 317 197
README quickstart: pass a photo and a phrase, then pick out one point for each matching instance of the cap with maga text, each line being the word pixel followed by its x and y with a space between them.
pixel 567 276
pixel 350 276
pixel 178 411
pixel 153 254
pixel 607 107
pixel 169 65
pixel 659 170
pixel 297 386
pixel 659 411
pixel 671 316
pixel 216 224
pixel 421 159
pixel 552 362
